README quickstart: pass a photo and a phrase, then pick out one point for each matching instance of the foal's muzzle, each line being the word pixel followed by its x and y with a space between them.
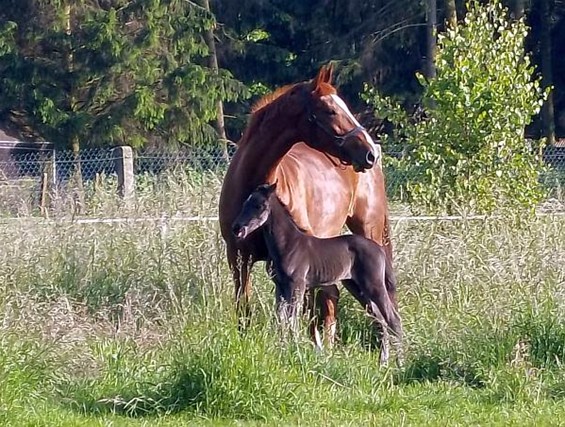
pixel 239 231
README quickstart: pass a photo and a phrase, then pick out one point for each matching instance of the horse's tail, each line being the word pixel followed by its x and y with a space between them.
pixel 390 280
pixel 387 242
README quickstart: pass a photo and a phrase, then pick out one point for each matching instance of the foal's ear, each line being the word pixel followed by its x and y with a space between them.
pixel 272 187
pixel 267 189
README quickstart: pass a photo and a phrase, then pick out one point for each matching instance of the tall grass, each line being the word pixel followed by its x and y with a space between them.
pixel 182 190
pixel 133 323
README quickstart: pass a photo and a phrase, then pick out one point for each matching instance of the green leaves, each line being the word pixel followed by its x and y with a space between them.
pixel 469 154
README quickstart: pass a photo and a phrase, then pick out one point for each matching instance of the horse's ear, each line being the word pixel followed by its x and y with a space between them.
pixel 329 73
pixel 321 77
pixel 325 75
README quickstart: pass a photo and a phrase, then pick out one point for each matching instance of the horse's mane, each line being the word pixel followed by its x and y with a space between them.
pixel 258 111
pixel 258 108
pixel 323 89
pixel 270 97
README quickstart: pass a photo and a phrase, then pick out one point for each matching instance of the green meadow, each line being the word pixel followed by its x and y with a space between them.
pixel 133 324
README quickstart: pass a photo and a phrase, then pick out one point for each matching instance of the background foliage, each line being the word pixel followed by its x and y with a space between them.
pixel 113 72
pixel 137 72
pixel 468 152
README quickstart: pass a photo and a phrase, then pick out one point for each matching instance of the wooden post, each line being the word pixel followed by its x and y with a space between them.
pixel 54 173
pixel 43 202
pixel 123 156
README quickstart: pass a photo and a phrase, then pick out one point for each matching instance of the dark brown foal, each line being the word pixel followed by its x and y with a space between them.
pixel 301 262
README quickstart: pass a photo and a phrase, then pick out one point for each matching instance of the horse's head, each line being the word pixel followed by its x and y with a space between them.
pixel 328 124
pixel 254 213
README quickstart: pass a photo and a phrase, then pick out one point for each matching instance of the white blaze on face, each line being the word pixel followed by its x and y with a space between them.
pixel 344 107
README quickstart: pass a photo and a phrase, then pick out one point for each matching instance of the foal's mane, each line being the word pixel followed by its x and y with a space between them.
pixel 287 213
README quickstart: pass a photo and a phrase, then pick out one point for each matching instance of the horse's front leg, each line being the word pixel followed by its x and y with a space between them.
pixel 240 265
pixel 326 299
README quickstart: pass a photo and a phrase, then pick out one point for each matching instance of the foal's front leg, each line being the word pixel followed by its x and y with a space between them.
pixel 289 297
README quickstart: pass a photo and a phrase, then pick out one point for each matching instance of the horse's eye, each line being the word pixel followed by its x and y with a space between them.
pixel 332 112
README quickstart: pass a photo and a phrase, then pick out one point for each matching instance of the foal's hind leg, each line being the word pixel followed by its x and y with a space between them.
pixel 371 221
pixel 376 316
pixel 374 287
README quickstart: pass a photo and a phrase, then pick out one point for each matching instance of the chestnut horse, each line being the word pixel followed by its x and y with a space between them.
pixel 304 137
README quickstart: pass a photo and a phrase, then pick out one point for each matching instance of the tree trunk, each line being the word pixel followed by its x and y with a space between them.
pixel 451 14
pixel 213 64
pixel 73 139
pixel 431 32
pixel 517 11
pixel 547 113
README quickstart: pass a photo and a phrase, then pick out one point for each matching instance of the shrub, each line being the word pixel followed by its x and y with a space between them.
pixel 469 152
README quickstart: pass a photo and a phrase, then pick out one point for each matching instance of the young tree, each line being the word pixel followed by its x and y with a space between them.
pixel 469 152
pixel 111 72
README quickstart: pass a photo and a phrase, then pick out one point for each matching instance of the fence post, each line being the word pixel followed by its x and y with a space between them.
pixel 123 156
pixel 54 182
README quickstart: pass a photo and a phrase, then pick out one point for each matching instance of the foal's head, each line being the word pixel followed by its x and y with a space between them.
pixel 255 211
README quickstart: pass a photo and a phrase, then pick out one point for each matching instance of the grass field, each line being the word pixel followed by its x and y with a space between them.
pixel 133 324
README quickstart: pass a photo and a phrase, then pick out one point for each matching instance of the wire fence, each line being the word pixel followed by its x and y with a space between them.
pixel 58 183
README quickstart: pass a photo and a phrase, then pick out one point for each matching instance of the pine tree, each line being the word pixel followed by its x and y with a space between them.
pixel 110 72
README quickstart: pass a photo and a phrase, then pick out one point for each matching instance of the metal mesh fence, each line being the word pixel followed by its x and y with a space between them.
pixel 177 182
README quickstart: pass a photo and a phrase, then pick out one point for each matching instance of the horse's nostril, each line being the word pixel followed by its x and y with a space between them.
pixel 370 158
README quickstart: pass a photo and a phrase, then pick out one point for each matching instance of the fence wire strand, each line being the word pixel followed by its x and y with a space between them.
pixel 182 181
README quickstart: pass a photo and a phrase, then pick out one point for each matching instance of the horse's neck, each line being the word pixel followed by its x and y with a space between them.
pixel 264 149
pixel 281 231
